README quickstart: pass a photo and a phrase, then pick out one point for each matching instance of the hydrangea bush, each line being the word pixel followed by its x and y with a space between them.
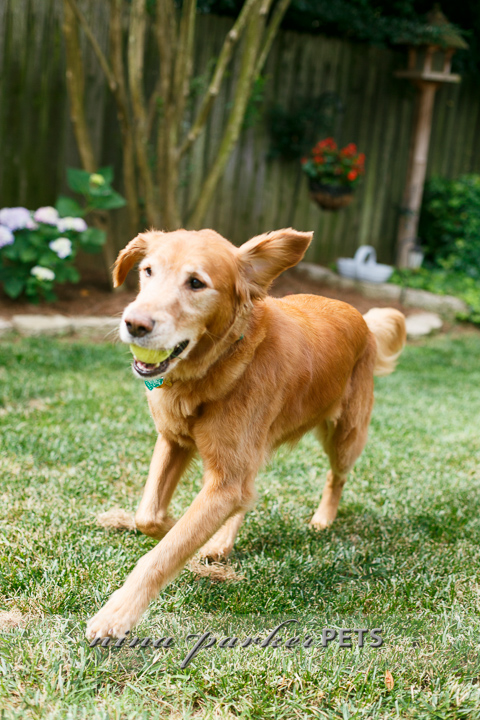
pixel 38 249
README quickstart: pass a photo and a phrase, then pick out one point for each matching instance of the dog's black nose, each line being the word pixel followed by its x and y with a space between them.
pixel 139 325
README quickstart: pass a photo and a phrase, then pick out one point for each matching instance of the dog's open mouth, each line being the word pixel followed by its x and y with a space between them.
pixel 146 369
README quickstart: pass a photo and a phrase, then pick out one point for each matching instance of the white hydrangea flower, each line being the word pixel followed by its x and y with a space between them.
pixel 42 273
pixel 47 215
pixel 71 223
pixel 6 236
pixel 62 246
pixel 16 218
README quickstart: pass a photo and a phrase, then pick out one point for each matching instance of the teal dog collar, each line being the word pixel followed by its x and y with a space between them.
pixel 159 382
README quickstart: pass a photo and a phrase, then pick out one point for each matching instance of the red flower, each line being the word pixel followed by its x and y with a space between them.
pixel 328 143
pixel 350 150
pixel 326 161
pixel 304 160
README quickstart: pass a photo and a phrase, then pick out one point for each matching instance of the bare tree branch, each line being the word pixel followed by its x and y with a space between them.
pixel 152 109
pixel 166 31
pixel 183 64
pixel 214 87
pixel 121 99
pixel 253 38
pixel 272 29
pixel 136 53
pixel 76 90
pixel 94 43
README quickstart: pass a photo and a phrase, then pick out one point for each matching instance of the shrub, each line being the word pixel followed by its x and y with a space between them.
pixel 444 282
pixel 450 224
pixel 37 249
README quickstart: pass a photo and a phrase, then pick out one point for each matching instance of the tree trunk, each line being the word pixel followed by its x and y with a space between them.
pixel 136 52
pixel 76 91
pixel 121 98
pixel 255 28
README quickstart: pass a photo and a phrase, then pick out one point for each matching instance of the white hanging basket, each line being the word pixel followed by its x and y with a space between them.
pixel 364 266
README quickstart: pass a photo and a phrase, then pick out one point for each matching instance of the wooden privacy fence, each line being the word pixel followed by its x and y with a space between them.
pixel 256 193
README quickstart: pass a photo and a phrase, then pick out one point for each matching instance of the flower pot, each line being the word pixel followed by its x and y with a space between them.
pixel 330 197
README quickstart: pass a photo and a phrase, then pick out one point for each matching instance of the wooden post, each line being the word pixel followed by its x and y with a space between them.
pixel 417 168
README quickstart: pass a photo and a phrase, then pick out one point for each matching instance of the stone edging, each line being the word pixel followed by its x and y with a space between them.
pixel 445 305
pixel 34 325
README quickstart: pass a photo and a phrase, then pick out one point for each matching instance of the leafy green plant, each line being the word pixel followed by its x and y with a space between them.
pixel 444 282
pixel 450 224
pixel 96 189
pixel 38 249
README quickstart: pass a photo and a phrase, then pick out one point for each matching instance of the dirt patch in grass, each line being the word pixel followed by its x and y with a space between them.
pixel 215 571
pixel 12 619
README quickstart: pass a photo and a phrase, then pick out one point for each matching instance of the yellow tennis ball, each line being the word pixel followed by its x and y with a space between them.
pixel 149 356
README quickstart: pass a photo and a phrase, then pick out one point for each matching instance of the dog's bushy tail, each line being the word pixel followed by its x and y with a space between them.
pixel 388 326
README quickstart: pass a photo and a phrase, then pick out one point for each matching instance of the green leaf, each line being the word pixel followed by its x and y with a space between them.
pixel 78 180
pixel 107 174
pixel 13 286
pixel 108 202
pixel 92 236
pixel 28 255
pixel 71 274
pixel 67 207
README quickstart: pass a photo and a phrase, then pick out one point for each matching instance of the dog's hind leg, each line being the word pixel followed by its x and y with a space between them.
pixel 221 544
pixel 344 439
pixel 169 462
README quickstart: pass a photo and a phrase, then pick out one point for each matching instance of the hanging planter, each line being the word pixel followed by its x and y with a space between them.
pixel 330 197
pixel 333 174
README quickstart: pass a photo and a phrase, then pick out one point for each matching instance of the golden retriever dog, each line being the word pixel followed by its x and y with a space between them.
pixel 245 373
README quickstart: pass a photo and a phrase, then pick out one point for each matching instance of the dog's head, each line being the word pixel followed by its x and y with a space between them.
pixel 195 284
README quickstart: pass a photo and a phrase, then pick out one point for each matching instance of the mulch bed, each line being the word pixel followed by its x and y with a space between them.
pixel 92 296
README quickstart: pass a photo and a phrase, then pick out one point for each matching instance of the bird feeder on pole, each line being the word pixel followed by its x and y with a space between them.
pixel 429 65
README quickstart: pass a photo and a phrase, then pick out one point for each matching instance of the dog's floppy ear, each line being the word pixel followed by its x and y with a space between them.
pixel 131 253
pixel 265 256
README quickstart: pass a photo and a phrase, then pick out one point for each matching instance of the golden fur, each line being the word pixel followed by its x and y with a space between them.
pixel 304 363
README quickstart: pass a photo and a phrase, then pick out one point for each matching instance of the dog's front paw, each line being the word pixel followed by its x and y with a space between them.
pixel 216 551
pixel 117 616
pixel 321 521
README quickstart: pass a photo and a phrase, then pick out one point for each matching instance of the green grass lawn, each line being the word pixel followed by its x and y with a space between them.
pixel 403 554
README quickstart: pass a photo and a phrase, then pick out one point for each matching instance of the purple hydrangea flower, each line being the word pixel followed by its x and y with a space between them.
pixel 72 223
pixel 6 236
pixel 16 218
pixel 47 215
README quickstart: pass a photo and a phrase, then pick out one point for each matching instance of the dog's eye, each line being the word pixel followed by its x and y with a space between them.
pixel 148 271
pixel 196 284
